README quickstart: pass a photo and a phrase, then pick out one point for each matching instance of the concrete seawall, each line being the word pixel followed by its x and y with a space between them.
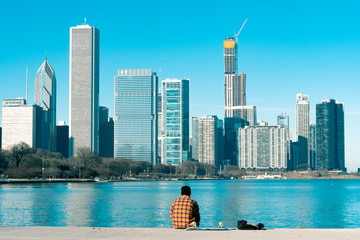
pixel 79 233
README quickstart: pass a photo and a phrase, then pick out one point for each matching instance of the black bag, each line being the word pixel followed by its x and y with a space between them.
pixel 242 225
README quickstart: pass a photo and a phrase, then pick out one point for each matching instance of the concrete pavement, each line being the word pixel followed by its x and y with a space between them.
pixel 79 233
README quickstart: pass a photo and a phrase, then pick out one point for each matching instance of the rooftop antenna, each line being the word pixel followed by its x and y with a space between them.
pixel 85 21
pixel 26 83
pixel 45 56
pixel 236 35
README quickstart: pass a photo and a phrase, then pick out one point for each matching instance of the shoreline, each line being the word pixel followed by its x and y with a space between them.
pixel 59 180
pixel 69 233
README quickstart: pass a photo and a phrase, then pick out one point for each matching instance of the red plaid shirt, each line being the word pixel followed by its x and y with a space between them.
pixel 183 211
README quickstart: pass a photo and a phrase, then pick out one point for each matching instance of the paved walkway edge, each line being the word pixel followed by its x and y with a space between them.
pixel 70 233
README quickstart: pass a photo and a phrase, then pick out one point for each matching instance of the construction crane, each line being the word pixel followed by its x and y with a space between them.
pixel 236 35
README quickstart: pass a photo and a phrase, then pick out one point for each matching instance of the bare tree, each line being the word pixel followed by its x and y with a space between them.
pixel 87 158
pixel 19 151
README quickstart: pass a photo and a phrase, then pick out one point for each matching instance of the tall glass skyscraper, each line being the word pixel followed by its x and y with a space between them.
pixel 330 143
pixel 175 113
pixel 303 131
pixel 84 88
pixel 45 97
pixel 235 96
pixel 136 115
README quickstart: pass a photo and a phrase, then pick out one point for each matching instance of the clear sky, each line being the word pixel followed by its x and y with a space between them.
pixel 285 48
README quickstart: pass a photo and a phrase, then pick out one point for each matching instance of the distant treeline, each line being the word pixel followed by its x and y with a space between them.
pixel 21 161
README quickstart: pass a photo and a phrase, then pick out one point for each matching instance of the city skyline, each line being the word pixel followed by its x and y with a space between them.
pixel 288 54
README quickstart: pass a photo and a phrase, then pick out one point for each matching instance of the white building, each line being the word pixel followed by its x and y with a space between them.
pixel 262 147
pixel 21 123
pixel 84 88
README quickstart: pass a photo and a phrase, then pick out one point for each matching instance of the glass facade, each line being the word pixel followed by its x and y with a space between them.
pixel 136 115
pixel 175 113
pixel 230 56
pixel 45 97
pixel 330 143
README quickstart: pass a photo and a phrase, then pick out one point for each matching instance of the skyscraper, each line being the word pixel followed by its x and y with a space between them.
pixel 136 115
pixel 205 139
pixel 45 97
pixel 283 121
pixel 106 133
pixel 62 139
pixel 248 114
pixel 176 111
pixel 303 131
pixel 160 123
pixel 312 147
pixel 330 143
pixel 84 88
pixel 235 96
pixel 263 147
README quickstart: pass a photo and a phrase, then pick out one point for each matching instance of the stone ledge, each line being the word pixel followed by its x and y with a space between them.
pixel 70 233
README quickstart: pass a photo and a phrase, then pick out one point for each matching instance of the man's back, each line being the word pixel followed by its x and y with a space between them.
pixel 184 211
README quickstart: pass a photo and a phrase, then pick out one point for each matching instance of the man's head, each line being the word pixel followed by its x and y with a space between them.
pixel 186 190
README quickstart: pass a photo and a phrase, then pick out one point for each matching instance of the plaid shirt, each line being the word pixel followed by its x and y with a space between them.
pixel 183 211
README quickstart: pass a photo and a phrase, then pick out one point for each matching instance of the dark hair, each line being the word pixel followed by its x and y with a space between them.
pixel 186 190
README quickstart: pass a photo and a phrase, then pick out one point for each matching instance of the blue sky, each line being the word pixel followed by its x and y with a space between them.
pixel 286 47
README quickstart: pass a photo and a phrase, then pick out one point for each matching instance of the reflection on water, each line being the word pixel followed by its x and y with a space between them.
pixel 276 203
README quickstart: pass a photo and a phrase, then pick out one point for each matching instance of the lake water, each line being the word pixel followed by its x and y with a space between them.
pixel 276 203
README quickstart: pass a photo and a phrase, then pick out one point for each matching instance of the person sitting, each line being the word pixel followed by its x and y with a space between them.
pixel 184 212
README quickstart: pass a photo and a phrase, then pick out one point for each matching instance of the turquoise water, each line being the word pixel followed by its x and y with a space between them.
pixel 276 203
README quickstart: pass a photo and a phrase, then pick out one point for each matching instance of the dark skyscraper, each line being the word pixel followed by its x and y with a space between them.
pixel 330 141
pixel 234 98
pixel 312 146
pixel 106 133
pixel 62 139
